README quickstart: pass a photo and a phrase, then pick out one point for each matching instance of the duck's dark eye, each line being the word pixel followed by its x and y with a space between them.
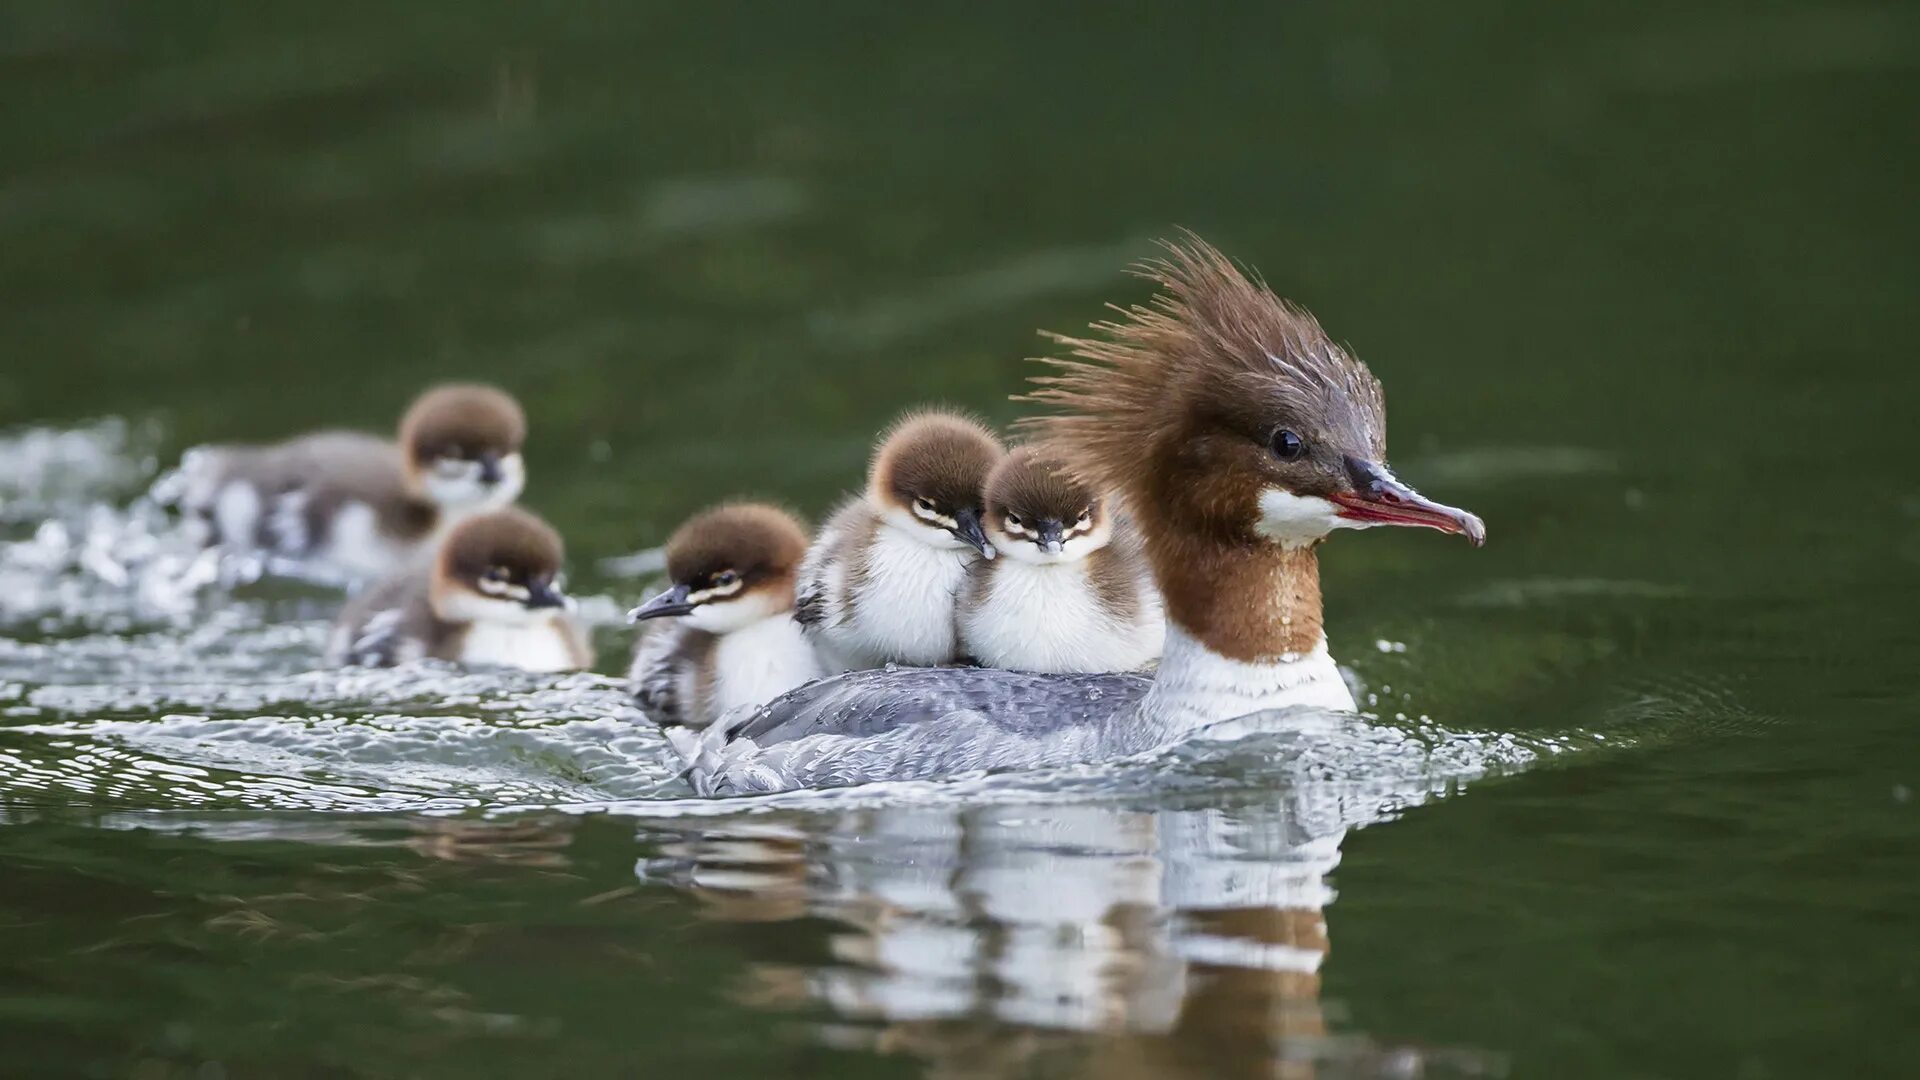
pixel 1287 446
pixel 924 504
pixel 497 573
pixel 1013 520
pixel 725 578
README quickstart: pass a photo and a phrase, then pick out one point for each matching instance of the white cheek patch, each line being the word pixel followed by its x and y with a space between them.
pixel 516 593
pixel 1079 542
pixel 1086 539
pixel 1295 520
pixel 1078 527
pixel 934 518
pixel 456 483
pixel 718 592
pixel 926 531
pixel 459 605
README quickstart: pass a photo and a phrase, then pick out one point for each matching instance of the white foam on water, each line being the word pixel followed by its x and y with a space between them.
pixel 45 471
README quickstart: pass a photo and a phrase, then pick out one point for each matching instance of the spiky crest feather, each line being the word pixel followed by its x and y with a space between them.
pixel 1212 329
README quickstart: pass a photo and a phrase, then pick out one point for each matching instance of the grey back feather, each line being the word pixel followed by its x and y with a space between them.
pixel 919 723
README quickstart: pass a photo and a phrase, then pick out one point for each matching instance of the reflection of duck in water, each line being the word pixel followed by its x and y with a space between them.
pixel 985 938
pixel 511 843
pixel 1239 436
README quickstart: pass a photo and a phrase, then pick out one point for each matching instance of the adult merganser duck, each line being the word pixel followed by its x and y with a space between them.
pixel 879 585
pixel 1240 436
pixel 353 506
pixel 730 642
pixel 489 596
pixel 1071 590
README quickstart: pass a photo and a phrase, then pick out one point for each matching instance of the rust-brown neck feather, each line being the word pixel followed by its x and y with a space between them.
pixel 1258 603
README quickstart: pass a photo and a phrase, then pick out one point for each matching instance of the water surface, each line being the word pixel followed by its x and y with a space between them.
pixel 1635 797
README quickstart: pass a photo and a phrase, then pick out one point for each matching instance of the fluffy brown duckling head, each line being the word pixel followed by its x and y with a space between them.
pixel 501 566
pixel 1037 512
pixel 461 445
pixel 928 477
pixel 731 567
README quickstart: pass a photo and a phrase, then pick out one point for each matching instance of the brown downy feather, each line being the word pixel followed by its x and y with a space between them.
pixel 935 455
pixel 1119 570
pixel 509 538
pixel 1033 485
pixel 461 420
pixel 761 543
pixel 1173 403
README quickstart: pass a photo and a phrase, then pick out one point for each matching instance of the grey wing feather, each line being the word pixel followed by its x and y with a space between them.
pixel 866 703
pixel 382 624
pixel 810 605
pixel 654 676
pixel 377 642
pixel 920 723
pixel 299 483
pixel 813 606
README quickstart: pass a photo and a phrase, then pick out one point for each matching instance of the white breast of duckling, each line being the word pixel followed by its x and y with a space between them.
pixel 543 646
pixel 901 609
pixel 759 662
pixel 506 634
pixel 1050 617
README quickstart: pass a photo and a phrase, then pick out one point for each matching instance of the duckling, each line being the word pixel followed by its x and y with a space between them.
pixel 732 642
pixel 1071 590
pixel 488 596
pixel 351 506
pixel 879 585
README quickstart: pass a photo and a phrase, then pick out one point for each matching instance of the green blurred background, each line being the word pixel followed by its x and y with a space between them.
pixel 1639 280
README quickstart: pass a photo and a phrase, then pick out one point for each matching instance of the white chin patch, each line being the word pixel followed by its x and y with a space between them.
pixel 456 485
pixel 1026 551
pixel 1294 520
